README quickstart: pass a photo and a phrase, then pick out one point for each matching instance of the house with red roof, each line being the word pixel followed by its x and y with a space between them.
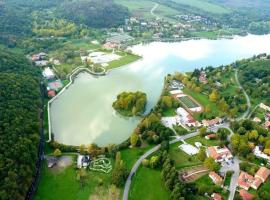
pixel 219 153
pixel 216 196
pixel 217 179
pixel 245 180
pixel 262 174
pixel 245 195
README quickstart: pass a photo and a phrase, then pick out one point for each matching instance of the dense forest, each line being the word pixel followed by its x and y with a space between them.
pixel 130 104
pixel 19 124
pixel 255 77
pixel 95 13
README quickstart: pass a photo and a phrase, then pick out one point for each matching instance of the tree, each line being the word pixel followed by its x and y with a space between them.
pixel 203 131
pixel 145 162
pixel 211 164
pixel 82 177
pixel 82 149
pixel 134 139
pixel 119 172
pixel 201 155
pixel 166 102
pixel 154 161
pixel 253 135
pixel 57 153
pixel 213 96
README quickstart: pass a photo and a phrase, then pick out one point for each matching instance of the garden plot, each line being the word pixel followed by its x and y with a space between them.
pixel 101 164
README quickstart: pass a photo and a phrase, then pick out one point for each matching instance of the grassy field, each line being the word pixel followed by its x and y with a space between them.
pixel 205 6
pixel 63 185
pixel 182 159
pixel 124 60
pixel 204 141
pixel 130 156
pixel 142 8
pixel 148 184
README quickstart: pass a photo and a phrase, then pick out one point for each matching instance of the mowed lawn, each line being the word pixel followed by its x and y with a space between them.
pixel 204 141
pixel 205 6
pixel 130 156
pixel 182 159
pixel 147 184
pixel 63 185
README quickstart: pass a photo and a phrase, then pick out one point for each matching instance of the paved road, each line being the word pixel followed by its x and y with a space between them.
pixel 246 95
pixel 156 148
pixel 153 10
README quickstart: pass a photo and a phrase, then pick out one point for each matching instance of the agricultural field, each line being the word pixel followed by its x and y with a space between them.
pixel 143 8
pixel 205 6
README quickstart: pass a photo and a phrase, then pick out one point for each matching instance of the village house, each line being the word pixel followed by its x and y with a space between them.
pixel 264 107
pixel 212 122
pixel 211 136
pixel 218 153
pixel 258 153
pixel 246 195
pixel 257 120
pixel 51 93
pixel 202 78
pixel 185 117
pixel 216 196
pixel 83 161
pixel 48 73
pixel 245 180
pixel 267 125
pixel 263 173
pixel 217 179
pixel 110 45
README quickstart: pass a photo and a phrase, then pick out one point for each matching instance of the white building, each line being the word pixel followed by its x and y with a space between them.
pixel 189 149
pixel 48 73
pixel 185 117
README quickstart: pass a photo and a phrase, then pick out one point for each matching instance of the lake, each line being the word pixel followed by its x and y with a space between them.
pixel 83 114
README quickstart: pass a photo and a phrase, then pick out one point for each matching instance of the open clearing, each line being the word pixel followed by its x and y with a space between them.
pixel 205 6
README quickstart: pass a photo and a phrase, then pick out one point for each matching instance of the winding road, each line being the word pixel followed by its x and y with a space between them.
pixel 234 167
pixel 153 10
pixel 245 115
pixel 156 148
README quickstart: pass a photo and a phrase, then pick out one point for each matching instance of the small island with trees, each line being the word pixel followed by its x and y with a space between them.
pixel 130 103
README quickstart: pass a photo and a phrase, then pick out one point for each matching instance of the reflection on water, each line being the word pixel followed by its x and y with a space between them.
pixel 83 114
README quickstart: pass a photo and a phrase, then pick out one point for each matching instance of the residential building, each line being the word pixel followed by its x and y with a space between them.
pixel 257 120
pixel 256 183
pixel 218 153
pixel 217 179
pixel 202 77
pixel 48 73
pixel 246 195
pixel 51 93
pixel 185 117
pixel 216 196
pixel 211 136
pixel 83 161
pixel 212 122
pixel 267 125
pixel 265 107
pixel 263 173
pixel 245 180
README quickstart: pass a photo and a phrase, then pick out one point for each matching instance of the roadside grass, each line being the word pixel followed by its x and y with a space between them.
pixel 63 185
pixel 205 6
pixel 168 112
pixel 148 184
pixel 182 159
pixel 204 141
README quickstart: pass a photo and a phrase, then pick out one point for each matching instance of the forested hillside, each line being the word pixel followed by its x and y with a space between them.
pixel 19 124
pixel 255 77
pixel 95 13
